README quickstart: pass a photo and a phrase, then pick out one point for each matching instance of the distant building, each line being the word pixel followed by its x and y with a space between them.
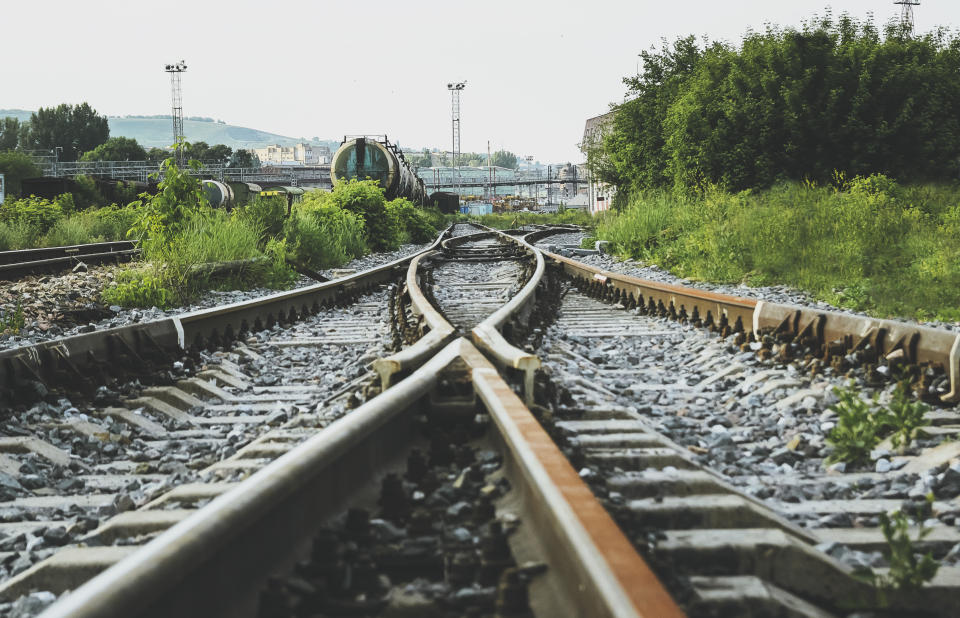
pixel 298 154
pixel 599 195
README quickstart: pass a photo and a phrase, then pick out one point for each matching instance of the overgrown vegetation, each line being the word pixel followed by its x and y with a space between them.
pixel 37 222
pixel 181 236
pixel 786 159
pixel 788 104
pixel 861 424
pixel 869 244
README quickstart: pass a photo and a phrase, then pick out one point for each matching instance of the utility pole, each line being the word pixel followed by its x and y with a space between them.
pixel 177 109
pixel 906 13
pixel 455 88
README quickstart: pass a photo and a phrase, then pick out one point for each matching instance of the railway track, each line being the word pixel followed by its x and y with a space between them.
pixel 413 476
pixel 17 264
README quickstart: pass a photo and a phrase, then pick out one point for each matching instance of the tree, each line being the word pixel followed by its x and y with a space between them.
pixel 243 158
pixel 219 153
pixel 15 166
pixel 9 133
pixel 74 128
pixel 503 158
pixel 196 150
pixel 116 149
pixel 158 155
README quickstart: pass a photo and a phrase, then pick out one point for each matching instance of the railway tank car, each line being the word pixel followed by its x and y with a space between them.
pixel 377 159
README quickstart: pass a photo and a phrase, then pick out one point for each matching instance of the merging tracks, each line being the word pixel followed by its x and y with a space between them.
pixel 258 472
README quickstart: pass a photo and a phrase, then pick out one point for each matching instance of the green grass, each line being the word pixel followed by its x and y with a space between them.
pixel 873 245
pixel 34 222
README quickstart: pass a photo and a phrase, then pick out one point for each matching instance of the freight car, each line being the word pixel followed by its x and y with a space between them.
pixel 376 158
pixel 446 201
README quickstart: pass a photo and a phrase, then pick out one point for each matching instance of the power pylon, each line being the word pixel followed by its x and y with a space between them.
pixel 906 13
pixel 177 112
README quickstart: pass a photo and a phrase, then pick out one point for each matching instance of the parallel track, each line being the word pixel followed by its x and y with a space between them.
pixel 17 264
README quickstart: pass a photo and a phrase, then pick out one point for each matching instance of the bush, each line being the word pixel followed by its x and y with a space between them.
pixel 365 199
pixel 322 235
pixel 857 431
pixel 265 213
pixel 35 212
pixel 410 224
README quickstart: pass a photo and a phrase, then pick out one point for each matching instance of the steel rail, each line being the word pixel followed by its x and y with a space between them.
pixel 17 264
pixel 439 333
pixel 260 523
pixel 192 568
pixel 597 568
pixel 487 335
pixel 837 333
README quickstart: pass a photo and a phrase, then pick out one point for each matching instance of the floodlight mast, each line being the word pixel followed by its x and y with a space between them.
pixel 177 109
pixel 455 88
pixel 906 13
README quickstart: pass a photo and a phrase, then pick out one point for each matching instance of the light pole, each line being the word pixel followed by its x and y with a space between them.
pixel 455 88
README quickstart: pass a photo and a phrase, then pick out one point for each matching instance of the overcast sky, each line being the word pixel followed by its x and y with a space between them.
pixel 534 70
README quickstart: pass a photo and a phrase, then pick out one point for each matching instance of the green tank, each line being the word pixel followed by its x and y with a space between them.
pixel 363 157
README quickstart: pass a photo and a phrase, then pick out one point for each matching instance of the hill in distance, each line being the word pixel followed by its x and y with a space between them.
pixel 157 132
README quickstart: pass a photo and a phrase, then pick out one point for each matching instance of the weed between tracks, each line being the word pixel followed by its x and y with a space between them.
pixel 861 424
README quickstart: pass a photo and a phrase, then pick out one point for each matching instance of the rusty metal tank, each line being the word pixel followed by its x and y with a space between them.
pixel 377 159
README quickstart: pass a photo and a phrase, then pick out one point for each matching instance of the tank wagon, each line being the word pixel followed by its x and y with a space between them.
pixel 376 158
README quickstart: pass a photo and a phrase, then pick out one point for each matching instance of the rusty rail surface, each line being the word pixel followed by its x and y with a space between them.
pixel 212 563
pixel 834 333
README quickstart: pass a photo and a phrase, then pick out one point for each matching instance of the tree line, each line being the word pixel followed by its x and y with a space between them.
pixel 79 133
pixel 837 96
pixel 500 158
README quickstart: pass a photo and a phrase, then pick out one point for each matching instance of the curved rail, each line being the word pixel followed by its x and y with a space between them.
pixel 429 344
pixel 487 335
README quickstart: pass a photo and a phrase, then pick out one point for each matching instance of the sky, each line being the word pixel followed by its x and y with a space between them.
pixel 535 70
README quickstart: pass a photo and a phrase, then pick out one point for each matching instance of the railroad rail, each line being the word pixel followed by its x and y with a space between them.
pixel 17 264
pixel 557 484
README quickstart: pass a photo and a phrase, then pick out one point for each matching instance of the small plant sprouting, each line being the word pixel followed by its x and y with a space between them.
pixel 857 431
pixel 13 321
pixel 907 570
pixel 861 425
pixel 905 415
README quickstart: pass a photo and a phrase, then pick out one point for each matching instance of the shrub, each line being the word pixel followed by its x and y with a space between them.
pixel 265 213
pixel 36 212
pixel 365 199
pixel 323 235
pixel 410 224
pixel 12 321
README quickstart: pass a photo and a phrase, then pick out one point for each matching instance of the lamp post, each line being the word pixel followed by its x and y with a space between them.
pixel 455 88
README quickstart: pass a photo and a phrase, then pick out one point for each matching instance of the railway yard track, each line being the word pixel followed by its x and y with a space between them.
pixel 482 428
pixel 16 264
